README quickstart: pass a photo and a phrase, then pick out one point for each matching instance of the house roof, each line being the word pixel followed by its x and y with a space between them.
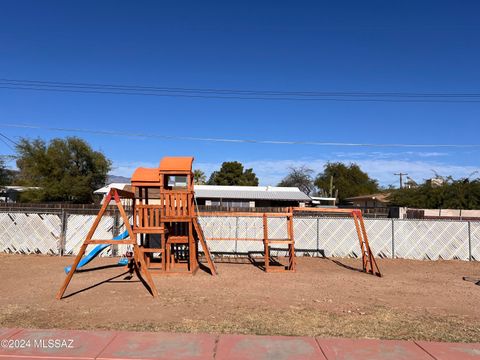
pixel 176 164
pixel 17 188
pixel 229 192
pixel 250 192
pixel 146 175
pixel 106 189
pixel 381 197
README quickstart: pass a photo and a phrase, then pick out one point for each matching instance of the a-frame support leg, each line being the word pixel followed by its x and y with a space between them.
pixel 368 259
pixel 67 280
pixel 84 246
pixel 139 261
pixel 371 258
pixel 206 250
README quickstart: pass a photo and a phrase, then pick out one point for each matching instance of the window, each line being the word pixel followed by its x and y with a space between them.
pixel 177 181
pixel 230 203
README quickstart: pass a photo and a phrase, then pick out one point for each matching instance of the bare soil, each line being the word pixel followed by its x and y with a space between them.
pixel 415 300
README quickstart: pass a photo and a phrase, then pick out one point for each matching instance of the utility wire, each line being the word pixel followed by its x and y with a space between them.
pixel 7 144
pixel 9 139
pixel 226 140
pixel 4 138
pixel 212 93
pixel 234 91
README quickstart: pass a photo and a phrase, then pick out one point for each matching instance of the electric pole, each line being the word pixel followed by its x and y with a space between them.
pixel 401 178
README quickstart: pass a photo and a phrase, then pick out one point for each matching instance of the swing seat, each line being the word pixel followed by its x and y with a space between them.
pixel 123 261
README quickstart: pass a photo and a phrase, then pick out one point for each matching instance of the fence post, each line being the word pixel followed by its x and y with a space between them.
pixel 469 241
pixel 393 238
pixel 318 236
pixel 236 235
pixel 63 232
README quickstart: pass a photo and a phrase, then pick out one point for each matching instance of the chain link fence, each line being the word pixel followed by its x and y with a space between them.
pixel 63 232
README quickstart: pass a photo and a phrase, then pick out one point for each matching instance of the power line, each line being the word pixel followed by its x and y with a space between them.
pixel 226 140
pixel 6 143
pixel 9 139
pixel 4 138
pixel 235 91
pixel 212 93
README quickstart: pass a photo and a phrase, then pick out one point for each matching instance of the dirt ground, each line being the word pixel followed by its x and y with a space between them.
pixel 427 300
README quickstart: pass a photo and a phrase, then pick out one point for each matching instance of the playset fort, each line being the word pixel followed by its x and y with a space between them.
pixel 164 233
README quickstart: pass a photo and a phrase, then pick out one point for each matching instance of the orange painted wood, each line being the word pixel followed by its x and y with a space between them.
pixel 107 241
pixel 80 254
pixel 265 242
pixel 324 210
pixel 201 238
pixel 167 205
pixel 126 194
pixel 139 261
pixel 242 214
pixel 231 239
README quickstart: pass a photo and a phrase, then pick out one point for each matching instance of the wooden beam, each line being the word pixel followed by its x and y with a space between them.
pixel 80 254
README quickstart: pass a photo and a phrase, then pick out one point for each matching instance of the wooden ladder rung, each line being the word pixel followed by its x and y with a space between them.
pixel 108 242
pixel 178 240
pixel 279 241
pixel 152 250
pixel 147 230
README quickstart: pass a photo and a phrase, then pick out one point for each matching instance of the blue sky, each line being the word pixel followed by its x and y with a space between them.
pixel 384 46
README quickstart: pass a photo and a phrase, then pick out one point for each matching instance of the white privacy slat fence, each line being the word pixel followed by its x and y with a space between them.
pixel 77 230
pixel 63 233
pixel 29 233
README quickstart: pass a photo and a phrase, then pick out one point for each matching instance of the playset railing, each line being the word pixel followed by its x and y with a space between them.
pixel 172 205
pixel 176 203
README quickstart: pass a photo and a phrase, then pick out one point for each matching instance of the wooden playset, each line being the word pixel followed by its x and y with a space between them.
pixel 164 232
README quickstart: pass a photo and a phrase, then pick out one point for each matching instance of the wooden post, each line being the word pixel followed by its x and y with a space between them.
pixel 136 251
pixel 374 270
pixel 360 240
pixel 139 261
pixel 67 280
pixel 291 247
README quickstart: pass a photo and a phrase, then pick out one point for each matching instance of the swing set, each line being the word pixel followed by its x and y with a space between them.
pixel 164 232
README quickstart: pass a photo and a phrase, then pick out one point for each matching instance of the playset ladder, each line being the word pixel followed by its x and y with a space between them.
pixel 289 241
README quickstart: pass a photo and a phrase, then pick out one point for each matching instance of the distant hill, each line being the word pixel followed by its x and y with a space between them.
pixel 117 179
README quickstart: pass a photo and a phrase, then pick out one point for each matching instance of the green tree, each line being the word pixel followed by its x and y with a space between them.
pixel 300 177
pixel 199 177
pixel 349 180
pixel 232 173
pixel 452 194
pixel 4 173
pixel 64 170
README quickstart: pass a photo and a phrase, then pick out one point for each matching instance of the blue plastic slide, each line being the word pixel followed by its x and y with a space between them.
pixel 95 251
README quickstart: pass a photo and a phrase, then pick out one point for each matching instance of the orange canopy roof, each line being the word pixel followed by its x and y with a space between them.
pixel 183 164
pixel 146 175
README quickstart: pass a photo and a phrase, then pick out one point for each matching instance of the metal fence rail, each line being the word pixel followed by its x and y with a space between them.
pixel 62 233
